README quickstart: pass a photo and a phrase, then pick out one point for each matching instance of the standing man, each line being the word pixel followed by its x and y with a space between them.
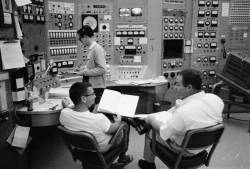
pixel 197 109
pixel 96 65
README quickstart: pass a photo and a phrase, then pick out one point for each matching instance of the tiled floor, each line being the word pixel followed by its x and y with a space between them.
pixel 233 152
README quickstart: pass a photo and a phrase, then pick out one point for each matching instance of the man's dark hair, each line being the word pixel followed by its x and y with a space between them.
pixel 85 30
pixel 191 77
pixel 77 90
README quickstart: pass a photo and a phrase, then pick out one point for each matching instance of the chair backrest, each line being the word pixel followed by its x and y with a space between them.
pixel 83 146
pixel 179 156
pixel 203 138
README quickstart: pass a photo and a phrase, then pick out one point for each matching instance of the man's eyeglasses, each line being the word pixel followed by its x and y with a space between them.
pixel 91 94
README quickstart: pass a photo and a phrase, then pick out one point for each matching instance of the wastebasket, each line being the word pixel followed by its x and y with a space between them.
pixel 161 106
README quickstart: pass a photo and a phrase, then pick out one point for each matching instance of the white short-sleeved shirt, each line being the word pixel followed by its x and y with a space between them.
pixel 95 123
pixel 196 111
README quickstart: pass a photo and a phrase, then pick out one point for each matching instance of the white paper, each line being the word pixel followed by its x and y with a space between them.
pixel 141 116
pixel 19 83
pixel 12 56
pixel 108 101
pixel 22 2
pixel 116 103
pixel 127 105
pixel 18 95
pixel 225 9
pixel 7 18
pixel 21 136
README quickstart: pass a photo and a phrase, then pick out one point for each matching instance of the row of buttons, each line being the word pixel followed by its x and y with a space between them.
pixel 59 24
pixel 173 20
pixel 173 28
pixel 172 65
pixel 62 35
pixel 210 73
pixel 38 10
pixel 214 3
pixel 206 34
pixel 130 33
pixel 64 42
pixel 212 45
pixel 63 51
pixel 202 23
pixel 213 13
pixel 211 59
pixel 59 16
pixel 38 18
pixel 176 35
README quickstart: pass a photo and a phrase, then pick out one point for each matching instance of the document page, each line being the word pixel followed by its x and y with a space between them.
pixel 127 105
pixel 109 101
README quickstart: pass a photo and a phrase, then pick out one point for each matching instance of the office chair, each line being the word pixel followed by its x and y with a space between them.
pixel 177 157
pixel 84 147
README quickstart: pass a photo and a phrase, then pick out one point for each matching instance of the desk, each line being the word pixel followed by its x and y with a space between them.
pixel 41 116
pixel 235 86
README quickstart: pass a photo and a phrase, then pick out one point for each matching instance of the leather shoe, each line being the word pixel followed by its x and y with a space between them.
pixel 143 164
pixel 125 159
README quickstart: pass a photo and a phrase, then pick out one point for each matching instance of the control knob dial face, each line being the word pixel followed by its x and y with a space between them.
pixel 91 21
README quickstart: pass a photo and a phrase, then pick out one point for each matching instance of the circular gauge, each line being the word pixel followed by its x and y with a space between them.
pixel 91 21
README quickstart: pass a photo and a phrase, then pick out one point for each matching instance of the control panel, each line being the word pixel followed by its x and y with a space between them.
pixel 61 35
pixel 205 34
pixel 131 44
pixel 128 72
pixel 99 16
pixel 173 22
pixel 130 38
pixel 42 77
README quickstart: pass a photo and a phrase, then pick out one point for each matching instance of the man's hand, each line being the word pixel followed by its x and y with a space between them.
pixel 117 118
pixel 65 102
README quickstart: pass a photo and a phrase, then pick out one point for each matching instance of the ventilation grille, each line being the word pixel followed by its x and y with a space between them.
pixel 175 1
pixel 237 69
pixel 240 12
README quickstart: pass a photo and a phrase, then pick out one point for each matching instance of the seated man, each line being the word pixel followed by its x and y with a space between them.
pixel 196 110
pixel 79 118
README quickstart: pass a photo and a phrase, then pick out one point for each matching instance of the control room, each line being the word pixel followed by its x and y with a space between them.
pixel 124 84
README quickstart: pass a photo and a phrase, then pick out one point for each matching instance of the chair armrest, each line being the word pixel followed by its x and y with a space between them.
pixel 118 136
pixel 173 146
